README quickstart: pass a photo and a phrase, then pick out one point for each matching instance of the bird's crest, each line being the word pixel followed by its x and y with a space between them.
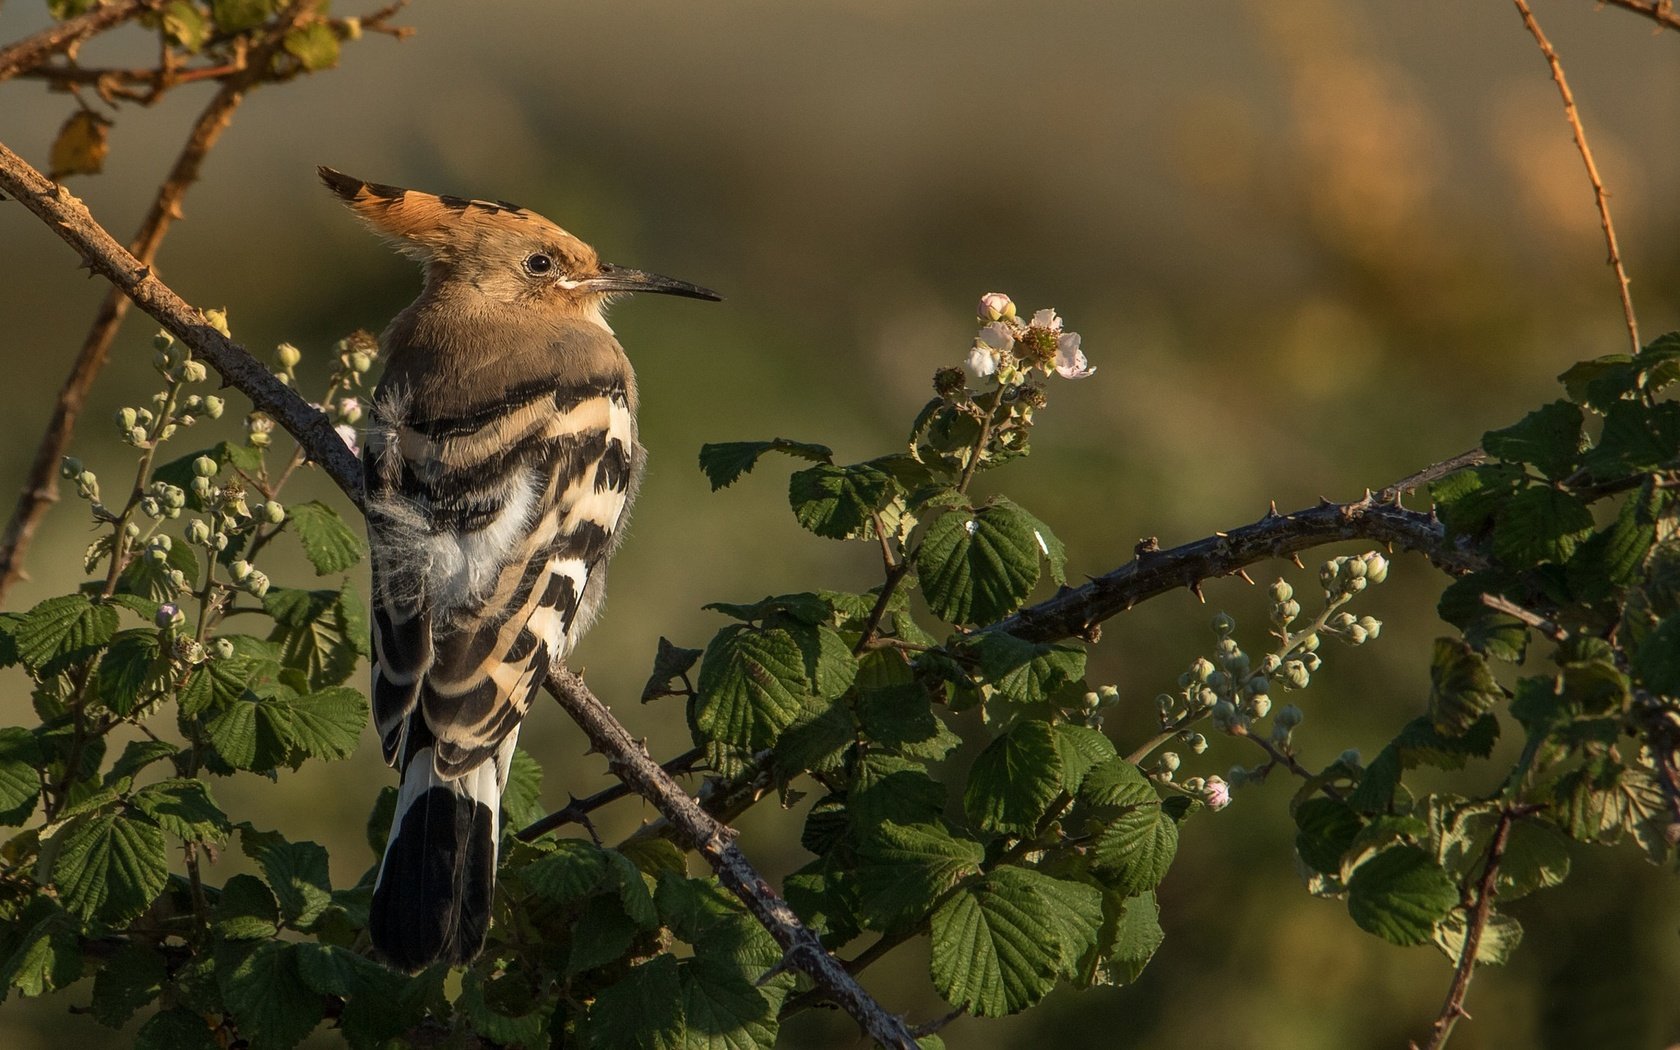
pixel 427 225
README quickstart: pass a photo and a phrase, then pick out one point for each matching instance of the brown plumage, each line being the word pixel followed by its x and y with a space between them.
pixel 500 464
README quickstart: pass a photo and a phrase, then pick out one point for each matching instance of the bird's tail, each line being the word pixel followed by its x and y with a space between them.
pixel 432 898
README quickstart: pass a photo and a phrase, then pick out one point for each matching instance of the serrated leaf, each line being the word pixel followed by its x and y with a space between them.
pixel 817 740
pixel 978 568
pixel 1499 939
pixel 1080 749
pixel 722 1009
pixel 246 910
pixel 132 670
pixel 44 953
pixel 633 891
pixel 1601 382
pixel 1400 895
pixel 1134 851
pixel 1657 660
pixel 902 868
pixel 522 798
pixel 176 1029
pixel 713 921
pixel 1013 781
pixel 602 934
pixel 999 946
pixel 1117 783
pixel 331 545
pixel 1028 672
pixel 752 686
pixel 327 724
pixel 889 787
pixel 137 755
pixel 1461 689
pixel 573 871
pixel 252 734
pixel 110 867
pixel 1603 800
pixel 1053 549
pixel 725 462
pixel 131 978
pixel 642 1010
pixel 266 994
pixel 318 632
pixel 1636 438
pixel 901 717
pixel 1549 439
pixel 63 631
pixel 295 871
pixel 1536 858
pixel 183 808
pixel 1466 499
pixel 1130 934
pixel 1325 830
pixel 1540 524
pixel 838 502
pixel 20 777
pixel 670 662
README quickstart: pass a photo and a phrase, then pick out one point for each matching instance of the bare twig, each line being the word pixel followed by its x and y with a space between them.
pixel 68 217
pixel 1661 12
pixel 1599 195
pixel 578 809
pixel 32 50
pixel 715 842
pixel 1549 628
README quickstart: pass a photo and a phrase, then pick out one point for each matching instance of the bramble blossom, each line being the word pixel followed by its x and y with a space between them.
pixel 1070 360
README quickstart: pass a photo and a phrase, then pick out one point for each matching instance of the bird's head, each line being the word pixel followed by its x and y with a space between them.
pixel 501 251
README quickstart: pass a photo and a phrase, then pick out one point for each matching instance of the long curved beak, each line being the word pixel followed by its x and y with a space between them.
pixel 622 279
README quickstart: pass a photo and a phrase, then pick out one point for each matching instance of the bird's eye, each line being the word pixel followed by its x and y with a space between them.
pixel 538 264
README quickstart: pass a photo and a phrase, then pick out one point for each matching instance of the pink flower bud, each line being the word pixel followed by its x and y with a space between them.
pixel 1216 793
pixel 995 306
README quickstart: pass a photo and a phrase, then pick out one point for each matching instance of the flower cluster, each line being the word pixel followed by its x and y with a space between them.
pixel 1009 350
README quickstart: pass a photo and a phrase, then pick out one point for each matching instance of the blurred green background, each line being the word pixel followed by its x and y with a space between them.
pixel 1311 245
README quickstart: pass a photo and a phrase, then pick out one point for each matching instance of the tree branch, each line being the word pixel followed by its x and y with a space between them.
pixel 40 490
pixel 1600 197
pixel 32 50
pixel 715 842
pixel 1076 611
pixel 1661 12
pixel 68 217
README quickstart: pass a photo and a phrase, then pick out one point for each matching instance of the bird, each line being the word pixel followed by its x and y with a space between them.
pixel 500 459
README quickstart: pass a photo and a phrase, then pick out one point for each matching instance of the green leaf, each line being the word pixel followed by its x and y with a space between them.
pixel 315 46
pixel 132 671
pixel 295 871
pixel 1135 850
pixel 138 755
pixel 818 740
pixel 267 996
pixel 185 24
pixel 41 952
pixel 979 568
pixel 1080 749
pixel 233 16
pixel 752 686
pixel 1053 549
pixel 1117 784
pixel 1600 383
pixel 60 632
pixel 329 543
pixel 902 868
pixel 1499 940
pixel 1130 934
pixel 1467 499
pixel 998 946
pixel 1400 895
pixel 726 461
pixel 575 870
pixel 246 910
pixel 1536 858
pixel 888 787
pixel 1013 782
pixel 602 934
pixel 522 799
pixel 1540 524
pixel 669 663
pixel 1028 672
pixel 20 778
pixel 1326 830
pixel 110 866
pixel 633 891
pixel 839 502
pixel 901 717
pixel 179 1028
pixel 183 808
pixel 643 1010
pixel 1549 438
pixel 253 734
pixel 1657 660
pixel 1603 800
pixel 327 724
pixel 319 632
pixel 722 1009
pixel 1461 689
pixel 1636 438
pixel 132 977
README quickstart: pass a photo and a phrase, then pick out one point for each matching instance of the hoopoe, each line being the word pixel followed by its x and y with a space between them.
pixel 500 463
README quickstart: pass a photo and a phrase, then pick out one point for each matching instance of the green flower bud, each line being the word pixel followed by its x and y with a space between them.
pixel 213 406
pixel 1310 643
pixel 69 467
pixel 202 488
pixel 126 418
pixel 1090 701
pixel 177 579
pixel 1281 591
pixel 137 437
pixel 1198 743
pixel 1342 621
pixel 273 513
pixel 205 467
pixel 1223 625
pixel 1353 569
pixel 1201 670
pixel 1328 571
pixel 194 372
pixel 220 541
pixel 1355 585
pixel 150 507
pixel 1296 674
pixel 131 530
pixel 162 341
pixel 360 362
pixel 1108 695
pixel 1169 761
pixel 1289 716
pixel 1260 706
pixel 1165 702
pixel 257 583
pixel 218 319
pixel 1311 662
pixel 1376 567
pixel 1356 635
pixel 240 570
pixel 288 356
pixel 1270 663
pixel 145 416
pixel 223 648
pixel 1370 624
pixel 198 532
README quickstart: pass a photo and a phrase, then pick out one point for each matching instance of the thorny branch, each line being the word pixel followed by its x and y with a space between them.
pixel 1662 12
pixel 1601 197
pixel 32 50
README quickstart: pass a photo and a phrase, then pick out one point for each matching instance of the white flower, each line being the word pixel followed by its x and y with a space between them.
pixel 982 362
pixel 347 434
pixel 1047 319
pixel 989 346
pixel 1216 793
pixel 996 336
pixel 995 306
pixel 1070 360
